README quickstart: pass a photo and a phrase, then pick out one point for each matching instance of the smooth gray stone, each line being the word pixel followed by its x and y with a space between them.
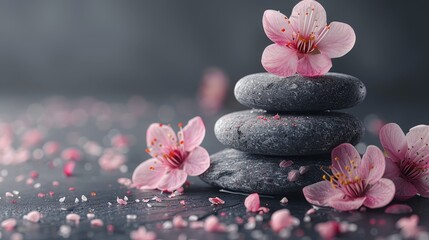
pixel 298 93
pixel 238 171
pixel 258 132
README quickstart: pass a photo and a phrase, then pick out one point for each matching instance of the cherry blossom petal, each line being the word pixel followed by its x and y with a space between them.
pixel 392 169
pixel 347 204
pixel 343 157
pixel 193 133
pixel 339 40
pixel 280 60
pixel 197 162
pixel 321 193
pixel 393 140
pixel 282 219
pixel 373 165
pixel 314 65
pixel 33 216
pixel 417 139
pixel 299 14
pixel 328 230
pixel 172 180
pixel 148 174
pixel 398 209
pixel 404 189
pixel 380 194
pixel 252 202
pixel 422 185
pixel 159 137
pixel 277 27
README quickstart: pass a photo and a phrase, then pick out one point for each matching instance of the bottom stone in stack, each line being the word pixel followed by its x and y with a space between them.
pixel 239 171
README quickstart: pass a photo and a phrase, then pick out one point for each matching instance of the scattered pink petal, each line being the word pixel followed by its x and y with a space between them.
pixel 142 234
pixel 310 211
pixel 32 137
pixel 71 154
pixel 398 209
pixel 8 194
pixel 239 220
pixel 51 193
pixel 196 225
pixel 263 210
pixel 90 215
pixel 179 222
pixel 34 174
pixel 120 141
pixel 285 163
pixel 111 160
pixel 252 202
pixel 110 228
pixel 212 224
pixel 73 217
pixel 33 216
pixel 9 224
pixel 328 230
pixel 55 183
pixel 121 201
pixel 276 117
pixel 125 181
pixel 68 168
pixel 72 188
pixel 284 200
pixel 216 201
pixel 97 222
pixel 41 195
pixel 282 219
pixel 182 202
pixel 51 148
pixel 409 226
pixel 303 169
pixel 213 90
pixel 293 175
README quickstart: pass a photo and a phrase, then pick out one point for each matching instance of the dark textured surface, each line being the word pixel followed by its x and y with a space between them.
pixel 297 93
pixel 291 134
pixel 243 172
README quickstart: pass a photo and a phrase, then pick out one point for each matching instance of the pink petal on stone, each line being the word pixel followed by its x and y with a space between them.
pixel 293 175
pixel 193 133
pixel 252 202
pixel 68 168
pixel 285 163
pixel 96 222
pixel 212 224
pixel 282 219
pixel 328 230
pixel 398 209
pixel 8 224
pixel 142 234
pixel 216 201
pixel 73 217
pixel 33 216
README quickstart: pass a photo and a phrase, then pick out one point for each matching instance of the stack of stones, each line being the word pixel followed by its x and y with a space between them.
pixel 280 145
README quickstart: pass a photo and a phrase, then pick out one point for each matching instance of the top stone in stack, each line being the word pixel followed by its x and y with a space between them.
pixel 297 93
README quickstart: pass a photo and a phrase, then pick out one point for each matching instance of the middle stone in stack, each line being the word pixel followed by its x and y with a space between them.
pixel 281 148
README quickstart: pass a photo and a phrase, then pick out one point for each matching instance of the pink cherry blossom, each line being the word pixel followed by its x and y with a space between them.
pixel 212 224
pixel 304 43
pixel 9 224
pixel 174 157
pixel 354 181
pixel 407 160
pixel 111 160
pixel 142 234
pixel 282 219
pixel 33 216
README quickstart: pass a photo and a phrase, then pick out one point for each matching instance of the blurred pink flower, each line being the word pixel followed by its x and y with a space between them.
pixel 142 234
pixel 409 227
pixel 407 160
pixel 328 230
pixel 212 224
pixel 282 219
pixel 111 160
pixel 354 181
pixel 213 90
pixel 304 43
pixel 173 158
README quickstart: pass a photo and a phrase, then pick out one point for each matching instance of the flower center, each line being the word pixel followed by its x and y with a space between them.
pixel 411 170
pixel 174 158
pixel 308 36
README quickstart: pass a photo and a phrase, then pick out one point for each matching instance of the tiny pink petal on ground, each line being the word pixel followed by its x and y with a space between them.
pixel 398 209
pixel 285 163
pixel 328 230
pixel 252 202
pixel 142 234
pixel 293 175
pixel 303 169
pixel 216 201
pixel 125 181
pixel 96 222
pixel 284 200
pixel 9 224
pixel 33 216
pixel 179 222
pixel 121 201
pixel 282 219
pixel 73 217
pixel 212 224
pixel 68 168
pixel 71 154
pixel 263 210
